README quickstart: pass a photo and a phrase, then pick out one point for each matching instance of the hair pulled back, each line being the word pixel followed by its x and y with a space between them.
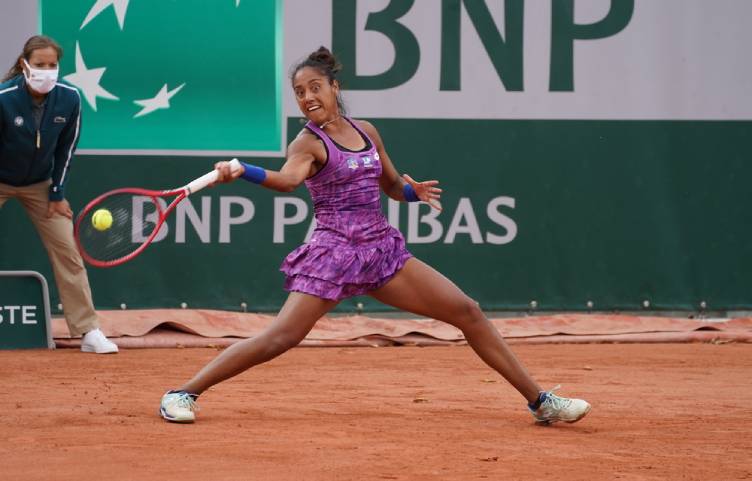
pixel 324 61
pixel 36 42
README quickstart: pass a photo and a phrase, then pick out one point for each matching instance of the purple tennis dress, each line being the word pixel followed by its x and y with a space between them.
pixel 353 249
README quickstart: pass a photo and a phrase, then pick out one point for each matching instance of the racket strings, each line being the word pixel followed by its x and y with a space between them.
pixel 134 219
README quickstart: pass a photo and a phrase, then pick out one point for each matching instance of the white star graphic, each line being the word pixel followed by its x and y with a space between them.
pixel 120 6
pixel 159 101
pixel 88 81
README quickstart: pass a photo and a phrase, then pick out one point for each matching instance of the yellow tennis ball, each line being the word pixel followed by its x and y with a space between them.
pixel 102 219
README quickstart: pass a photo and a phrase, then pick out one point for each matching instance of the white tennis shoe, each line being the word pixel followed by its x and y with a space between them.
pixel 178 407
pixel 95 341
pixel 555 408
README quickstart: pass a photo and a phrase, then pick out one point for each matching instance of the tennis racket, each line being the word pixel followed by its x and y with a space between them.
pixel 118 225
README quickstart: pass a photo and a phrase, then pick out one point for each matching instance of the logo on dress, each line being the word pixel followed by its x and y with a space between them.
pixel 352 162
pixel 367 162
pixel 18 121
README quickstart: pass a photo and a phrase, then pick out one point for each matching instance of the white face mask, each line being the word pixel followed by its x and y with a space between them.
pixel 40 80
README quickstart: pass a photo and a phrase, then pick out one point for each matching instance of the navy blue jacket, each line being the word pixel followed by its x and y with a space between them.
pixel 28 156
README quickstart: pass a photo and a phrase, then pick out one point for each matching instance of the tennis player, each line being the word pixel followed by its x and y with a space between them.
pixel 354 250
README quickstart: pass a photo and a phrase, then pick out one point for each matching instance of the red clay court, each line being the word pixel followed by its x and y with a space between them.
pixel 660 411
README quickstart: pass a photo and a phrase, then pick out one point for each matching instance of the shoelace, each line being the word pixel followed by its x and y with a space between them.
pixel 186 401
pixel 555 401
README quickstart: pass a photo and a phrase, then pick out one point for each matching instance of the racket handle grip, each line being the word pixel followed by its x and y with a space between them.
pixel 206 179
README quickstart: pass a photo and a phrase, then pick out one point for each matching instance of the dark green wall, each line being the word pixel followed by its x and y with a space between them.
pixel 610 211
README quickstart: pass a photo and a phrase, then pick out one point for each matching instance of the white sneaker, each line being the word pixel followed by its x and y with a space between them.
pixel 95 341
pixel 555 408
pixel 178 407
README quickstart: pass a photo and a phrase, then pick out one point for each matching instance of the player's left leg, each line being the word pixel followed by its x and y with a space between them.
pixel 420 289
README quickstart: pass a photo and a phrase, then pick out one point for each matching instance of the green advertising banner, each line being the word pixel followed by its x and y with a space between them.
pixel 593 155
pixel 24 311
pixel 613 212
pixel 175 78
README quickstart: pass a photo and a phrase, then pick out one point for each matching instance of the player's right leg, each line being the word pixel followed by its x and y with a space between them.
pixel 294 321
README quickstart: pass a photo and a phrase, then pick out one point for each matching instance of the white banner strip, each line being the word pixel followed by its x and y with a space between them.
pixel 674 60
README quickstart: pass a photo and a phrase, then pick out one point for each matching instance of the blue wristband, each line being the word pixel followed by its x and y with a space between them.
pixel 409 193
pixel 253 174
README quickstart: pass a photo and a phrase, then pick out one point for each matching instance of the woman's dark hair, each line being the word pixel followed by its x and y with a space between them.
pixel 326 63
pixel 34 43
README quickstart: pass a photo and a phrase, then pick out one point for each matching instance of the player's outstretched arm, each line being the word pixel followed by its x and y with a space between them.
pixel 395 186
pixel 298 166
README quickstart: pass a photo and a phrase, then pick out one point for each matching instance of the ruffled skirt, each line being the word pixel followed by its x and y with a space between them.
pixel 331 270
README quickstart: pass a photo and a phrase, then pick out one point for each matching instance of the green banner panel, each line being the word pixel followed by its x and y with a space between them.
pixel 173 77
pixel 560 212
pixel 24 311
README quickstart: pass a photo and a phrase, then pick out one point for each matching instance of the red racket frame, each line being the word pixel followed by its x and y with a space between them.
pixel 181 193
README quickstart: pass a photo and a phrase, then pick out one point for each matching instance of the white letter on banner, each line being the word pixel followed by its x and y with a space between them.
pixel 502 220
pixel 414 219
pixel 28 317
pixel 225 220
pixel 201 224
pixel 393 207
pixel 464 210
pixel 12 310
pixel 138 220
pixel 280 221
pixel 311 228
